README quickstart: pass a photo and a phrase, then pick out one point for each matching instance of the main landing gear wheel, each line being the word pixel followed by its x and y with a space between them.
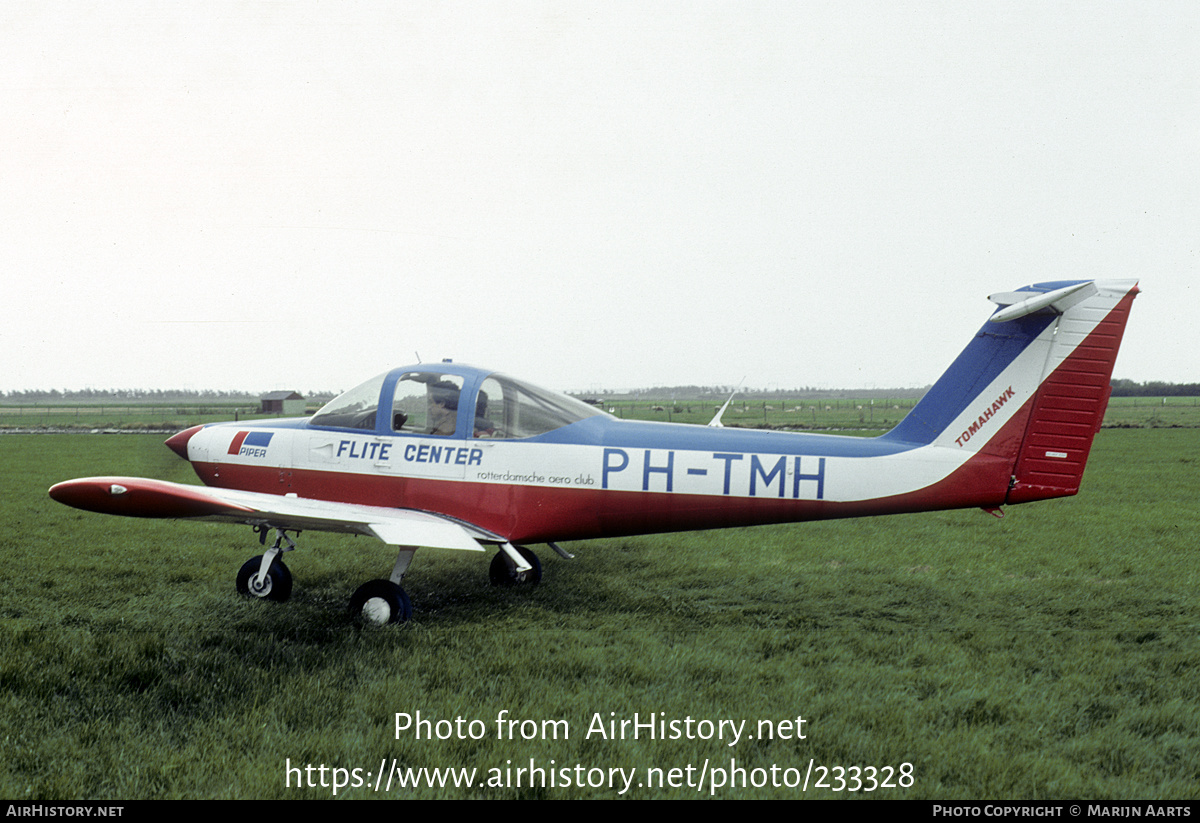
pixel 503 572
pixel 277 586
pixel 381 602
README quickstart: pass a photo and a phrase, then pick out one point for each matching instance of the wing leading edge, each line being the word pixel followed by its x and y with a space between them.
pixel 145 497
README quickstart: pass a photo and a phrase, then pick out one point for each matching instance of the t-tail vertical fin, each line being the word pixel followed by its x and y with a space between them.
pixel 1027 394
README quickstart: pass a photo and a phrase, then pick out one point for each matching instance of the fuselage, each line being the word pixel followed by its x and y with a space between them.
pixel 588 474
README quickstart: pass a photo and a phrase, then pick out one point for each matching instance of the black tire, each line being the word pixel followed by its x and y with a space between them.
pixel 380 602
pixel 503 574
pixel 277 586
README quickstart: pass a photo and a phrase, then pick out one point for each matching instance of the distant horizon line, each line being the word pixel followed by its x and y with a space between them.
pixel 682 392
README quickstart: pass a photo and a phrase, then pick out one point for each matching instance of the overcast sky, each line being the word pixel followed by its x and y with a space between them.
pixel 609 195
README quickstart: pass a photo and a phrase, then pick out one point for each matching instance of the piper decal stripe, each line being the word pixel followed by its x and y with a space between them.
pixel 236 445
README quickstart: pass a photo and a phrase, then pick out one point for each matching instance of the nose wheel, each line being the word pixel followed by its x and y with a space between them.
pixel 380 602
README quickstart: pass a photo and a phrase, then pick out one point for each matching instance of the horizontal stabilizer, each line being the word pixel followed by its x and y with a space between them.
pixel 1022 303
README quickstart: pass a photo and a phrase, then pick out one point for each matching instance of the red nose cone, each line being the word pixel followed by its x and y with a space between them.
pixel 178 442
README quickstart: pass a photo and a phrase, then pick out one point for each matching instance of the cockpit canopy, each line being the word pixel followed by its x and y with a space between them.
pixel 451 402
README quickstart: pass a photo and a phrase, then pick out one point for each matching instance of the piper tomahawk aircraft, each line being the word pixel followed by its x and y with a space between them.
pixel 453 457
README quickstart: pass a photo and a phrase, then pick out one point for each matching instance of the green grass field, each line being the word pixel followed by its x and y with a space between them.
pixel 1051 654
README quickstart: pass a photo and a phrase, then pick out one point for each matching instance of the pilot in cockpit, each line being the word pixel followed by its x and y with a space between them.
pixel 483 426
pixel 443 407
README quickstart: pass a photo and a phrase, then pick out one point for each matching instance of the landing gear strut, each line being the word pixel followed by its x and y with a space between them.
pixel 383 601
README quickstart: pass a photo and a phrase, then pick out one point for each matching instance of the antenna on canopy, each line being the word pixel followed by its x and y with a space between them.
pixel 716 423
pixel 418 354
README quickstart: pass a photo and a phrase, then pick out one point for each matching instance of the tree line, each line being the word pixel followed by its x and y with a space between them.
pixel 1121 388
pixel 126 395
pixel 1154 388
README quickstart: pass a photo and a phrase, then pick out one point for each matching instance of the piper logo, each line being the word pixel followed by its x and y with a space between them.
pixel 250 444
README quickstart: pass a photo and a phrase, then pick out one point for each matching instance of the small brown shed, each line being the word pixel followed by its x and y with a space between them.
pixel 288 403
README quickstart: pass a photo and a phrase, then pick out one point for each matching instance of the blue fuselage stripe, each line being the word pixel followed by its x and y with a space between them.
pixel 635 434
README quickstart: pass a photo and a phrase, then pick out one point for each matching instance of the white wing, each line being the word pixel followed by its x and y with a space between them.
pixel 144 497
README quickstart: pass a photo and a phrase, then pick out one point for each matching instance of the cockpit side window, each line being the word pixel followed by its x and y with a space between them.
pixel 507 408
pixel 426 403
pixel 354 409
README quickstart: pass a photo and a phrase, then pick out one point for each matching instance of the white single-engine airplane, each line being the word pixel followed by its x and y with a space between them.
pixel 453 457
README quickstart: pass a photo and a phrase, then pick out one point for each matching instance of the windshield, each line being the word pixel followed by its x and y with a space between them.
pixel 428 402
pixel 354 409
